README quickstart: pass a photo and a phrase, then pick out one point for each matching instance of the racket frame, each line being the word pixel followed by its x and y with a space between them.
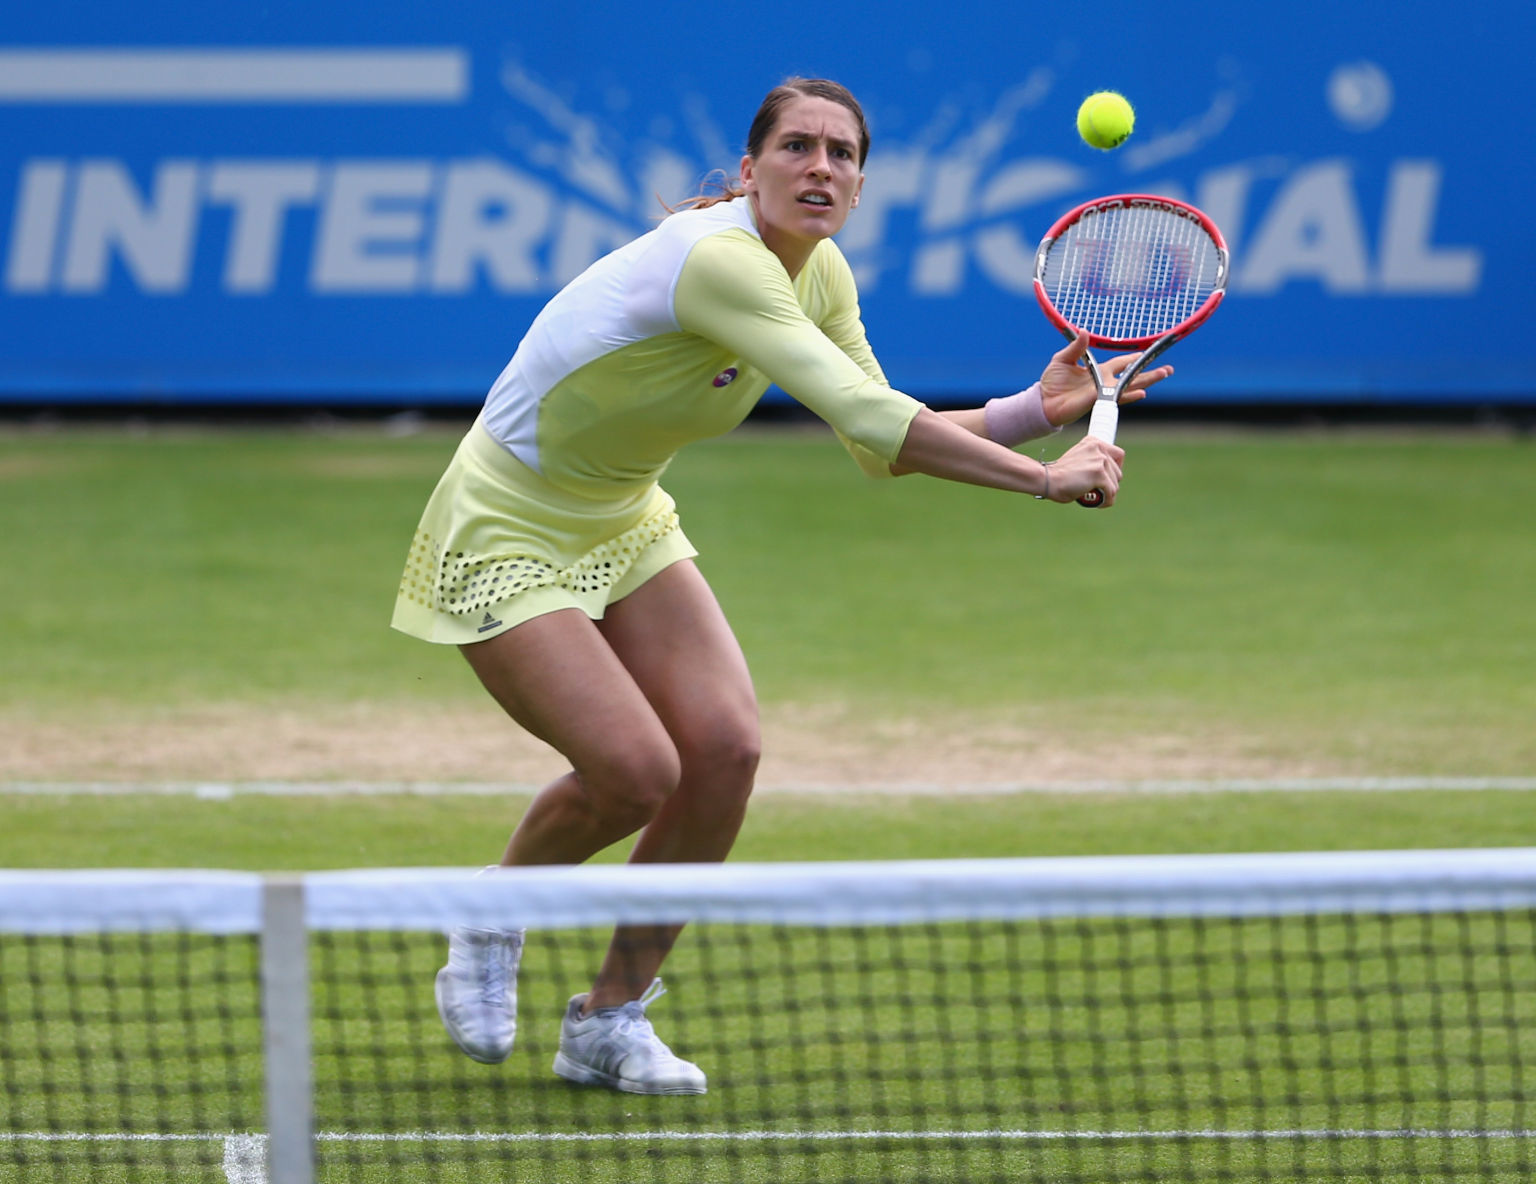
pixel 1132 201
pixel 1104 420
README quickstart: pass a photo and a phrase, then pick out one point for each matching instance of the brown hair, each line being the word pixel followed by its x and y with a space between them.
pixel 715 191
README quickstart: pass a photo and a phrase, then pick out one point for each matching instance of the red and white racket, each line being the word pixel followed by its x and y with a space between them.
pixel 1134 271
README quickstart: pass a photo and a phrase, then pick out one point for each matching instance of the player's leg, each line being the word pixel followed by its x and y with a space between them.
pixel 675 642
pixel 557 677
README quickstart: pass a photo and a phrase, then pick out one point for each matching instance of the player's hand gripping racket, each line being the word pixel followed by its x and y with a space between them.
pixel 1133 271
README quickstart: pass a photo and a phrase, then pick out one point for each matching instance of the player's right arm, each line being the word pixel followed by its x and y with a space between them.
pixel 735 293
pixel 1009 421
pixel 939 450
pixel 844 327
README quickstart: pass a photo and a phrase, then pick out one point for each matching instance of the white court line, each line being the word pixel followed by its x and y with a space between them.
pixel 114 1137
pixel 247 1142
pixel 245 1154
pixel 218 790
pixel 925 1136
pixel 175 74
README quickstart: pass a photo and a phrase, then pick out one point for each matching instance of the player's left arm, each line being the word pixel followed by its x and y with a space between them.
pixel 1065 393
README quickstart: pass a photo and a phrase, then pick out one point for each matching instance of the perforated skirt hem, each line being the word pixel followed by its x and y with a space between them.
pixel 498 545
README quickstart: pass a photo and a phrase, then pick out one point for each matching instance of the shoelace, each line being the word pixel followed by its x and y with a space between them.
pixel 497 971
pixel 494 984
pixel 633 1022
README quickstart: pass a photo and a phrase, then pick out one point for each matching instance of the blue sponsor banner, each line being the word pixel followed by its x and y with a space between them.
pixel 367 203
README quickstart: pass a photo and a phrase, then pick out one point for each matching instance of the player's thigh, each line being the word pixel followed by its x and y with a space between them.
pixel 673 637
pixel 558 677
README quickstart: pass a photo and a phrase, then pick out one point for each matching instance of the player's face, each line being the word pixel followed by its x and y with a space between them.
pixel 806 178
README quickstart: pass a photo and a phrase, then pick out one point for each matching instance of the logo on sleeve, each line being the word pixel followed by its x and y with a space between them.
pixel 726 376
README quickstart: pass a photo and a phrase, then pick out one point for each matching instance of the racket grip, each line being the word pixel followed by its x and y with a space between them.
pixel 1102 423
pixel 1105 419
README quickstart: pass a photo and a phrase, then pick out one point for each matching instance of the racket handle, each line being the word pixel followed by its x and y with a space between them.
pixel 1104 420
pixel 1102 423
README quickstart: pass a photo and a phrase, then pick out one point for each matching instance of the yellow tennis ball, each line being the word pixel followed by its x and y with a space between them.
pixel 1105 120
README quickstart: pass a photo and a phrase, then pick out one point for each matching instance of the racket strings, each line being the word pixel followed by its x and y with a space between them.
pixel 1128 272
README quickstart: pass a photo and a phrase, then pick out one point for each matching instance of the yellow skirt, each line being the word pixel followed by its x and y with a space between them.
pixel 499 545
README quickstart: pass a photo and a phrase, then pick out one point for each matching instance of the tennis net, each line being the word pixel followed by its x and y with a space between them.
pixel 1318 1017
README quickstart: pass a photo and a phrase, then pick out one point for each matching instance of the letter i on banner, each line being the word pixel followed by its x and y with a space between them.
pixel 35 230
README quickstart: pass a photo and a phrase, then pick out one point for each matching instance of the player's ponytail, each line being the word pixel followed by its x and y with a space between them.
pixel 716 188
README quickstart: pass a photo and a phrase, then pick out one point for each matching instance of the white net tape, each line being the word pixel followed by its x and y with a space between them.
pixel 913 891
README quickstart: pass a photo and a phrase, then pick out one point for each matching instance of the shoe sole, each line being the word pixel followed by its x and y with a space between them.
pixel 471 1053
pixel 584 1075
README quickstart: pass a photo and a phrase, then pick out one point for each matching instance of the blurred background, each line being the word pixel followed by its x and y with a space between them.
pixel 361 205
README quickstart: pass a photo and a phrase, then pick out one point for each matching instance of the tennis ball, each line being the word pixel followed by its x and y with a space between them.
pixel 1105 120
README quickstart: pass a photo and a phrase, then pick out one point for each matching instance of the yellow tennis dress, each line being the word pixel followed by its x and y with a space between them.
pixel 552 500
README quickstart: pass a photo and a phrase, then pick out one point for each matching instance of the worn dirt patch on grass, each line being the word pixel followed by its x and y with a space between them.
pixel 805 747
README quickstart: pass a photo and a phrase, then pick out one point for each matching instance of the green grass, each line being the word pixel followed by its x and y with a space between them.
pixel 257 833
pixel 1359 602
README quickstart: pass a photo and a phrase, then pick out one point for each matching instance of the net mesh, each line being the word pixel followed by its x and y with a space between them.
pixel 1386 1037
pixel 127 1055
pixel 1131 271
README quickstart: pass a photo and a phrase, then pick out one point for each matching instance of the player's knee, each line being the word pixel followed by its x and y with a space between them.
pixel 740 757
pixel 725 756
pixel 631 790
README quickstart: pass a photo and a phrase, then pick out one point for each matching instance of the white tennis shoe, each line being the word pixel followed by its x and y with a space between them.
pixel 618 1048
pixel 477 991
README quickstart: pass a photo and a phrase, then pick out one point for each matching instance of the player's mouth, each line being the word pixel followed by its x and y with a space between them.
pixel 818 198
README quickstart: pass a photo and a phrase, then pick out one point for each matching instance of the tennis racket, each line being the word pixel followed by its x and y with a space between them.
pixel 1134 271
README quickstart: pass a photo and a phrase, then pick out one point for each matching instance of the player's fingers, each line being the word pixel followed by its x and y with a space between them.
pixel 1072 353
pixel 1147 377
pixel 1100 463
pixel 1111 485
pixel 1113 453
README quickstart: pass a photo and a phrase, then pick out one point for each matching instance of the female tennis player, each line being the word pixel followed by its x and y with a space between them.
pixel 550 555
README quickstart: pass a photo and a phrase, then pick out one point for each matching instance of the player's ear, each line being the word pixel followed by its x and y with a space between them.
pixel 748 182
pixel 858 189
